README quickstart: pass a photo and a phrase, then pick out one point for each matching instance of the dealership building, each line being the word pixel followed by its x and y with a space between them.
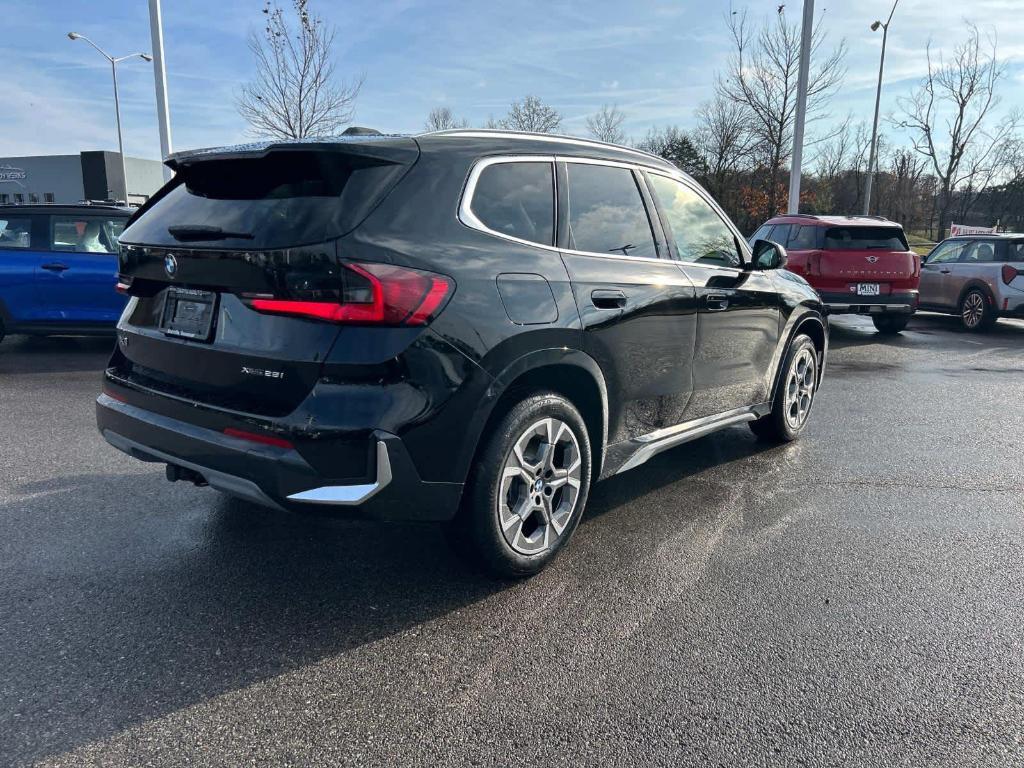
pixel 92 175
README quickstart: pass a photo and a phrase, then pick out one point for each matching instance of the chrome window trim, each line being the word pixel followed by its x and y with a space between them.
pixel 470 219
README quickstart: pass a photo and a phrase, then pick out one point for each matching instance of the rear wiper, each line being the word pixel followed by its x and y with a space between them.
pixel 190 232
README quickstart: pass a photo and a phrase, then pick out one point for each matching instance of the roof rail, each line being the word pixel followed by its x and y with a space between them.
pixel 557 137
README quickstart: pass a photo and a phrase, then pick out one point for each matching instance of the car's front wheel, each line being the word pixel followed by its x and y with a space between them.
pixel 528 488
pixel 976 314
pixel 795 395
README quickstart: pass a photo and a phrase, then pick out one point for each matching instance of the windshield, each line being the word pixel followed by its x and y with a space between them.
pixel 861 238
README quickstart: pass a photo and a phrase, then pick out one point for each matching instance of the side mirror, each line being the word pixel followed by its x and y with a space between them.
pixel 769 255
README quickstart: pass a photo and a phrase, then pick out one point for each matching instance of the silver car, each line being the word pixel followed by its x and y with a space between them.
pixel 978 277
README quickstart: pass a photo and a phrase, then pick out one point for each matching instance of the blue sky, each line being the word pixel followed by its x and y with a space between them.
pixel 656 59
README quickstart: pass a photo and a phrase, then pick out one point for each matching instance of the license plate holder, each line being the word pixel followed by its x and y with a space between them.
pixel 868 289
pixel 188 313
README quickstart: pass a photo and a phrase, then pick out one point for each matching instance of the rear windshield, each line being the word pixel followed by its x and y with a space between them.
pixel 283 199
pixel 860 238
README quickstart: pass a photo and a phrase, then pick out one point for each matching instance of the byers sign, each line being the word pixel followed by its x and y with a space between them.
pixel 10 173
pixel 962 229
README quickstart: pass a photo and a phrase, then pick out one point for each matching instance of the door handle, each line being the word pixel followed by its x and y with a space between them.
pixel 55 266
pixel 945 271
pixel 716 302
pixel 604 299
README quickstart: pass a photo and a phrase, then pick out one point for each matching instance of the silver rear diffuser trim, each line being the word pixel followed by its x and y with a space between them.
pixel 350 495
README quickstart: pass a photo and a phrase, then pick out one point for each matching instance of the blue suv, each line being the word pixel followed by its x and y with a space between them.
pixel 58 268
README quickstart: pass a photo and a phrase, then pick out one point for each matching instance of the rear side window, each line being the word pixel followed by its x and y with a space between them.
pixel 517 199
pixel 862 238
pixel 15 232
pixel 699 233
pixel 279 200
pixel 85 234
pixel 1015 251
pixel 803 238
pixel 607 213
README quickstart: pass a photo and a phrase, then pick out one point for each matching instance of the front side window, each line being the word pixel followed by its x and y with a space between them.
pixel 979 251
pixel 802 238
pixel 607 213
pixel 780 234
pixel 517 199
pixel 701 235
pixel 15 232
pixel 85 234
pixel 761 234
pixel 947 252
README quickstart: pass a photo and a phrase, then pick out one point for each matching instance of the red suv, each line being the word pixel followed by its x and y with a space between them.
pixel 859 264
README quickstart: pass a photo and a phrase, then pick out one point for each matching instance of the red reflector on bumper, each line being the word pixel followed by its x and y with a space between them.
pixel 255 437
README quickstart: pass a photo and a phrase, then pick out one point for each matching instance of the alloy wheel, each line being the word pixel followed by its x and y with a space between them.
pixel 800 382
pixel 540 486
pixel 974 309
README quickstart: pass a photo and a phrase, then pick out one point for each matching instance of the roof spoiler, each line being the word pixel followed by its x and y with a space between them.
pixel 401 150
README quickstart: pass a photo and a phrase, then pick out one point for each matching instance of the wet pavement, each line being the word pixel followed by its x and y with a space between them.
pixel 853 598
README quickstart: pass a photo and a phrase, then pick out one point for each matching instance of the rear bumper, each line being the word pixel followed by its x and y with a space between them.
pixel 899 302
pixel 278 477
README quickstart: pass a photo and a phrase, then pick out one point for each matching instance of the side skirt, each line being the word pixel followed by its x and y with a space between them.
pixel 630 454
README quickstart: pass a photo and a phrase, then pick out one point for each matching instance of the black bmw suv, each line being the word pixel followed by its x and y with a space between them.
pixel 463 326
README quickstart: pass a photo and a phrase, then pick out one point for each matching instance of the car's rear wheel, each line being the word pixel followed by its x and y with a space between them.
pixel 890 324
pixel 976 313
pixel 528 489
pixel 795 396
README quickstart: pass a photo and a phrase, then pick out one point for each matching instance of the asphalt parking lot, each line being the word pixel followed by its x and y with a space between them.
pixel 853 598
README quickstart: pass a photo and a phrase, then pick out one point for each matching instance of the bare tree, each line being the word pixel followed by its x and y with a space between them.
pixel 295 93
pixel 443 119
pixel 673 144
pixel 950 118
pixel 723 141
pixel 531 114
pixel 762 79
pixel 606 124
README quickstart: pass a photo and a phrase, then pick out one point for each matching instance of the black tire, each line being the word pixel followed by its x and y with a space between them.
pixel 890 324
pixel 2 330
pixel 777 426
pixel 477 530
pixel 976 311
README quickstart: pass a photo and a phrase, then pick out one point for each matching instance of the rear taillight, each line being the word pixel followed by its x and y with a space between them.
pixel 373 294
pixel 1010 273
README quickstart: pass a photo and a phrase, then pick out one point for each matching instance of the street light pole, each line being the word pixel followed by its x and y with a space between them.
pixel 873 155
pixel 117 106
pixel 120 141
pixel 801 106
pixel 156 29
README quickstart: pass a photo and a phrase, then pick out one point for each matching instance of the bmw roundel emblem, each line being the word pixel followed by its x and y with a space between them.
pixel 170 265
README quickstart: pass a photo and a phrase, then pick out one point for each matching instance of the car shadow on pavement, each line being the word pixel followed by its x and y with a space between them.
pixel 172 596
pixel 54 354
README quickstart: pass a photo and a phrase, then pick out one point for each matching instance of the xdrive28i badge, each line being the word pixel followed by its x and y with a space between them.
pixel 170 265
